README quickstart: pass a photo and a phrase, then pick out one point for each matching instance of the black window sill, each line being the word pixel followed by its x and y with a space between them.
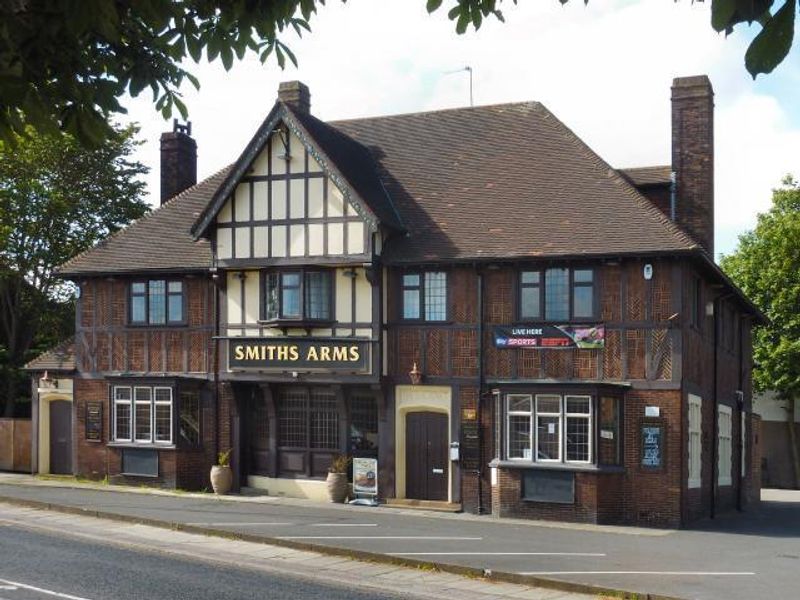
pixel 297 323
pixel 527 464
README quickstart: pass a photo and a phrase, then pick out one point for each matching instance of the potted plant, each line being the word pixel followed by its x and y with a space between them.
pixel 221 474
pixel 337 478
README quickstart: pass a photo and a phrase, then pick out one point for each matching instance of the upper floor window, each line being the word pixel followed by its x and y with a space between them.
pixel 156 302
pixel 298 296
pixel 557 294
pixel 425 296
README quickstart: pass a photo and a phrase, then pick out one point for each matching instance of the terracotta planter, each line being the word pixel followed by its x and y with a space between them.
pixel 337 487
pixel 221 479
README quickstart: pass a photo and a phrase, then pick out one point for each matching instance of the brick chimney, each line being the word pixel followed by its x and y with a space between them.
pixel 178 160
pixel 693 157
pixel 296 95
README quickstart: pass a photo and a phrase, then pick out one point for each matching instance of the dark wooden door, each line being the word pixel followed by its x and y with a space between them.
pixel 61 437
pixel 426 456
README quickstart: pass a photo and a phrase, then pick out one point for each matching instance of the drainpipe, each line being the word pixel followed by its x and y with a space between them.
pixel 715 416
pixel 480 390
pixel 215 365
pixel 740 443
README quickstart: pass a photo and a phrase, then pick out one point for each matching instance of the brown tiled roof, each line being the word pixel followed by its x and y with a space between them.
pixel 644 176
pixel 506 181
pixel 60 358
pixel 159 241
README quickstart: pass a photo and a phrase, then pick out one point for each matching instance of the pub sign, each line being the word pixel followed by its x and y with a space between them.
pixel 550 336
pixel 299 354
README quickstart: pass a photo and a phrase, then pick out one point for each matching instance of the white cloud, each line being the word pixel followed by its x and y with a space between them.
pixel 604 69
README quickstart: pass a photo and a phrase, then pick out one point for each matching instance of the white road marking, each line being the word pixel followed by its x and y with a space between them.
pixel 236 524
pixel 42 590
pixel 698 573
pixel 343 524
pixel 375 537
pixel 499 554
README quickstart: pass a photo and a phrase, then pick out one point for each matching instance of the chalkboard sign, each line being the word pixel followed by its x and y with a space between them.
pixel 470 446
pixel 94 422
pixel 549 486
pixel 652 446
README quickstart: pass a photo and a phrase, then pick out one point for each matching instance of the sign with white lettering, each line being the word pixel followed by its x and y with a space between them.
pixel 550 336
pixel 652 451
pixel 299 354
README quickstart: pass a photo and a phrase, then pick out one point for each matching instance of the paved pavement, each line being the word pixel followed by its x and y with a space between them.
pixel 734 557
pixel 48 555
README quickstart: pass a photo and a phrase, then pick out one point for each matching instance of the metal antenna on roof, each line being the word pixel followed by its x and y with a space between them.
pixel 467 69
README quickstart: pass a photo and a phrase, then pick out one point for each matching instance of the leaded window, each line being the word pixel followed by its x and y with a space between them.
pixel 557 294
pixel 189 417
pixel 156 302
pixel 122 414
pixel 144 415
pixel 424 296
pixel 363 424
pixel 298 296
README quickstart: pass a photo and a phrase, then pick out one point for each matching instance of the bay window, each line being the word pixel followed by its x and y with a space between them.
pixel 558 427
pixel 557 294
pixel 142 414
pixel 298 296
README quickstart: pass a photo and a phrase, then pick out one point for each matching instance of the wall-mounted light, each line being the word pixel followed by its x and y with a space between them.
pixel 415 375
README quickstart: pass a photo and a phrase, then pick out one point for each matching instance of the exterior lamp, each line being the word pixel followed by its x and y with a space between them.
pixel 415 375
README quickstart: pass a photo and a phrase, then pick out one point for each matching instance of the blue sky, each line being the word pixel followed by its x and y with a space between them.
pixel 605 69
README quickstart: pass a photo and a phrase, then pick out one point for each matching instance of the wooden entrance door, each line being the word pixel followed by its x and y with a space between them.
pixel 426 456
pixel 61 437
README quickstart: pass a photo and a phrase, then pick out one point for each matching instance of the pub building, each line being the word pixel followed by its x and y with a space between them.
pixel 473 297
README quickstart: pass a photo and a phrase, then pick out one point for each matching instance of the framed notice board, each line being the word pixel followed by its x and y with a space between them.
pixel 94 421
pixel 470 446
pixel 652 443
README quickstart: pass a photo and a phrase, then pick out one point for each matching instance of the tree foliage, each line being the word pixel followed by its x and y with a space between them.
pixel 56 199
pixel 766 265
pixel 64 64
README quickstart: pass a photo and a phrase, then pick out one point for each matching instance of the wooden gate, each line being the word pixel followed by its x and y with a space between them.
pixel 426 456
pixel 15 445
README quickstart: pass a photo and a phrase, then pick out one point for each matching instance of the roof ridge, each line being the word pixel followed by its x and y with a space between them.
pixel 433 111
pixel 145 217
pixel 643 203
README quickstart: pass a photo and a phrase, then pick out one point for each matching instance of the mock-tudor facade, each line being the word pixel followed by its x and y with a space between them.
pixel 471 296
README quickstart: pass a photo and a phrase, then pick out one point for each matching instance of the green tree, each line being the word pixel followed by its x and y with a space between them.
pixel 56 199
pixel 64 64
pixel 766 265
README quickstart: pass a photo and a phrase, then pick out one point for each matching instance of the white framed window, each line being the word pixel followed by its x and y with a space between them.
pixel 520 434
pixel 121 414
pixel 162 415
pixel 548 428
pixel 724 449
pixel 578 428
pixel 143 414
pixel 743 432
pixel 695 453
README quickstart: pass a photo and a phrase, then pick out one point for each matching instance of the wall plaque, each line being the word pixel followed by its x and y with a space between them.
pixel 652 446
pixel 299 354
pixel 94 421
pixel 470 447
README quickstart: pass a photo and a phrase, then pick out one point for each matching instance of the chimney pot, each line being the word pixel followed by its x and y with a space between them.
pixel 178 160
pixel 296 95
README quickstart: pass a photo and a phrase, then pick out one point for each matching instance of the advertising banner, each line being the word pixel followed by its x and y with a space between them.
pixel 550 336
pixel 365 476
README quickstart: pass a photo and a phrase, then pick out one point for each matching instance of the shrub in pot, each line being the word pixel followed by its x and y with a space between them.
pixel 221 474
pixel 337 478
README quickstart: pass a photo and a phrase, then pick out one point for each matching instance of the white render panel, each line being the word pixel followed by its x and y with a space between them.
pixel 297 199
pixel 297 240
pixel 260 242
pixel 242 198
pixel 251 296
pixel 260 165
pixel 355 237
pixel 278 241
pixel 260 200
pixel 278 164
pixel 225 215
pixel 242 242
pixel 224 242
pixel 335 201
pixel 278 200
pixel 343 297
pixel 313 165
pixel 316 240
pixel 335 238
pixel 233 298
pixel 322 332
pixel 297 151
pixel 315 198
pixel 363 298
pixel 363 332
